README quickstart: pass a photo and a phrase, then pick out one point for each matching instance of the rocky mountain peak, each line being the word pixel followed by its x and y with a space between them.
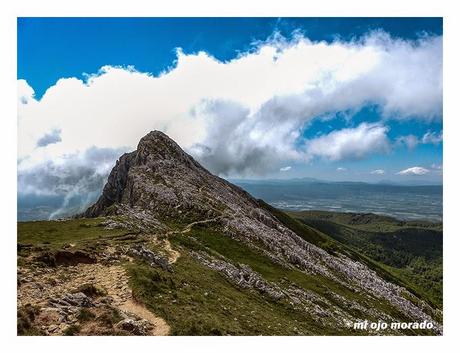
pixel 160 189
pixel 161 179
pixel 156 145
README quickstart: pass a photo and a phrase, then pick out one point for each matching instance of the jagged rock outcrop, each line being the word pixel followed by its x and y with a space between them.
pixel 160 183
pixel 243 276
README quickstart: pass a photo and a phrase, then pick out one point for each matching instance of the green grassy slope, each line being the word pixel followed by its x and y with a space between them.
pixel 196 300
pixel 410 251
pixel 55 234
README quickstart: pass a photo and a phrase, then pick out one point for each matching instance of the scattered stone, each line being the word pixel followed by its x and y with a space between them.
pixel 140 251
pixel 136 327
pixel 243 276
pixel 73 299
pixel 106 300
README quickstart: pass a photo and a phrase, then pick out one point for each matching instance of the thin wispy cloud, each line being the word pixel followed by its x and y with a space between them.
pixel 49 138
pixel 432 137
pixel 412 141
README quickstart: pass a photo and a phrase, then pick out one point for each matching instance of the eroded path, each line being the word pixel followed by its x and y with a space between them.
pixel 173 255
pixel 160 327
pixel 52 290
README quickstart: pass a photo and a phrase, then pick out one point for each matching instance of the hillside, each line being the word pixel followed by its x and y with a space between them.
pixel 410 250
pixel 170 248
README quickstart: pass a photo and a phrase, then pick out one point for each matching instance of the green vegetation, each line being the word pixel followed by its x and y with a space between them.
pixel 196 300
pixel 91 290
pixel 72 330
pixel 366 221
pixel 66 242
pixel 307 233
pixel 333 246
pixel 110 318
pixel 410 251
pixel 85 315
pixel 216 243
pixel 56 234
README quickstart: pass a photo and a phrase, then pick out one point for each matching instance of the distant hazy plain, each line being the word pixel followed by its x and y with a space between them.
pixel 402 202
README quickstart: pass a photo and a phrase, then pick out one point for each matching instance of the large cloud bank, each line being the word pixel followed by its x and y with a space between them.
pixel 241 117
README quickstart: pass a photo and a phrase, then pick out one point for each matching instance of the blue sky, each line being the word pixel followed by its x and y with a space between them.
pixel 343 122
pixel 51 48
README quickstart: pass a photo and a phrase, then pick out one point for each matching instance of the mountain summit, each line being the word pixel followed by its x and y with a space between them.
pixel 160 179
pixel 160 189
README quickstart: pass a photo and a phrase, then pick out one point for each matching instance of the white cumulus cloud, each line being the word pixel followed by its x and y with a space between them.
pixel 350 143
pixel 242 116
pixel 378 172
pixel 414 171
pixel 285 169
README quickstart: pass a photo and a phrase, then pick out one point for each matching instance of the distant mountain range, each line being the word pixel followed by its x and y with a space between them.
pixel 412 182
pixel 406 202
pixel 308 180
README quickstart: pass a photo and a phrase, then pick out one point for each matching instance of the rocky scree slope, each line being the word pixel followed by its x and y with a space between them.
pixel 159 186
